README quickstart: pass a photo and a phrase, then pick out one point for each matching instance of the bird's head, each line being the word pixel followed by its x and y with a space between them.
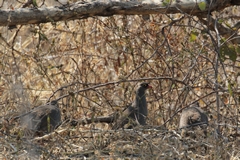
pixel 143 87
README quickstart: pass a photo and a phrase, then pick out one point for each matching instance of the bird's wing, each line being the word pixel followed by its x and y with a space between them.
pixel 36 119
pixel 126 117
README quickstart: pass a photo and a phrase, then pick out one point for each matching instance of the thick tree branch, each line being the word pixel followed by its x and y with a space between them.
pixel 81 10
pixel 109 119
pixel 235 2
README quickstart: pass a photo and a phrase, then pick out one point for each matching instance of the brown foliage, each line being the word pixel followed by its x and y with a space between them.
pixel 175 53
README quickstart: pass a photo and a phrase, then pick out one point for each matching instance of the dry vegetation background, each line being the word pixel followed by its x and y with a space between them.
pixel 175 53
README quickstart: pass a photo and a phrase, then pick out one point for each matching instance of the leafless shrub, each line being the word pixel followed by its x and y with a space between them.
pixel 94 65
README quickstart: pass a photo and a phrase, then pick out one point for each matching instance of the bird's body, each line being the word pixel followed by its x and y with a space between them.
pixel 42 119
pixel 192 117
pixel 137 112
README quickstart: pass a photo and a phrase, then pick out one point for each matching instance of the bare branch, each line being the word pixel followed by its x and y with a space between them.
pixel 82 10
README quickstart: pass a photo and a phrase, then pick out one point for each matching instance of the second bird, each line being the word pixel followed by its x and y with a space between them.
pixel 136 113
pixel 192 117
pixel 42 119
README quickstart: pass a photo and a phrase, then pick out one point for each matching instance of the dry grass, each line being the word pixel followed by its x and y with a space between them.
pixel 45 61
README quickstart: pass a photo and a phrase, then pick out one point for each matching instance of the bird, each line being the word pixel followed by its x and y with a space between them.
pixel 136 113
pixel 42 119
pixel 191 117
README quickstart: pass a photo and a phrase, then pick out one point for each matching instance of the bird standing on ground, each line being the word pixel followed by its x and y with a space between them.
pixel 192 116
pixel 137 112
pixel 42 119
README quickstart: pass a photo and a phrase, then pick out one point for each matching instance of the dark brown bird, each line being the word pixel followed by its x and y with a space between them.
pixel 192 116
pixel 137 112
pixel 42 119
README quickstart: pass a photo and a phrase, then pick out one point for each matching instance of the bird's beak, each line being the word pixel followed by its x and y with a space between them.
pixel 149 86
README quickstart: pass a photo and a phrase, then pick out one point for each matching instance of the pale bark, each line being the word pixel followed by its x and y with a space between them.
pixel 82 10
